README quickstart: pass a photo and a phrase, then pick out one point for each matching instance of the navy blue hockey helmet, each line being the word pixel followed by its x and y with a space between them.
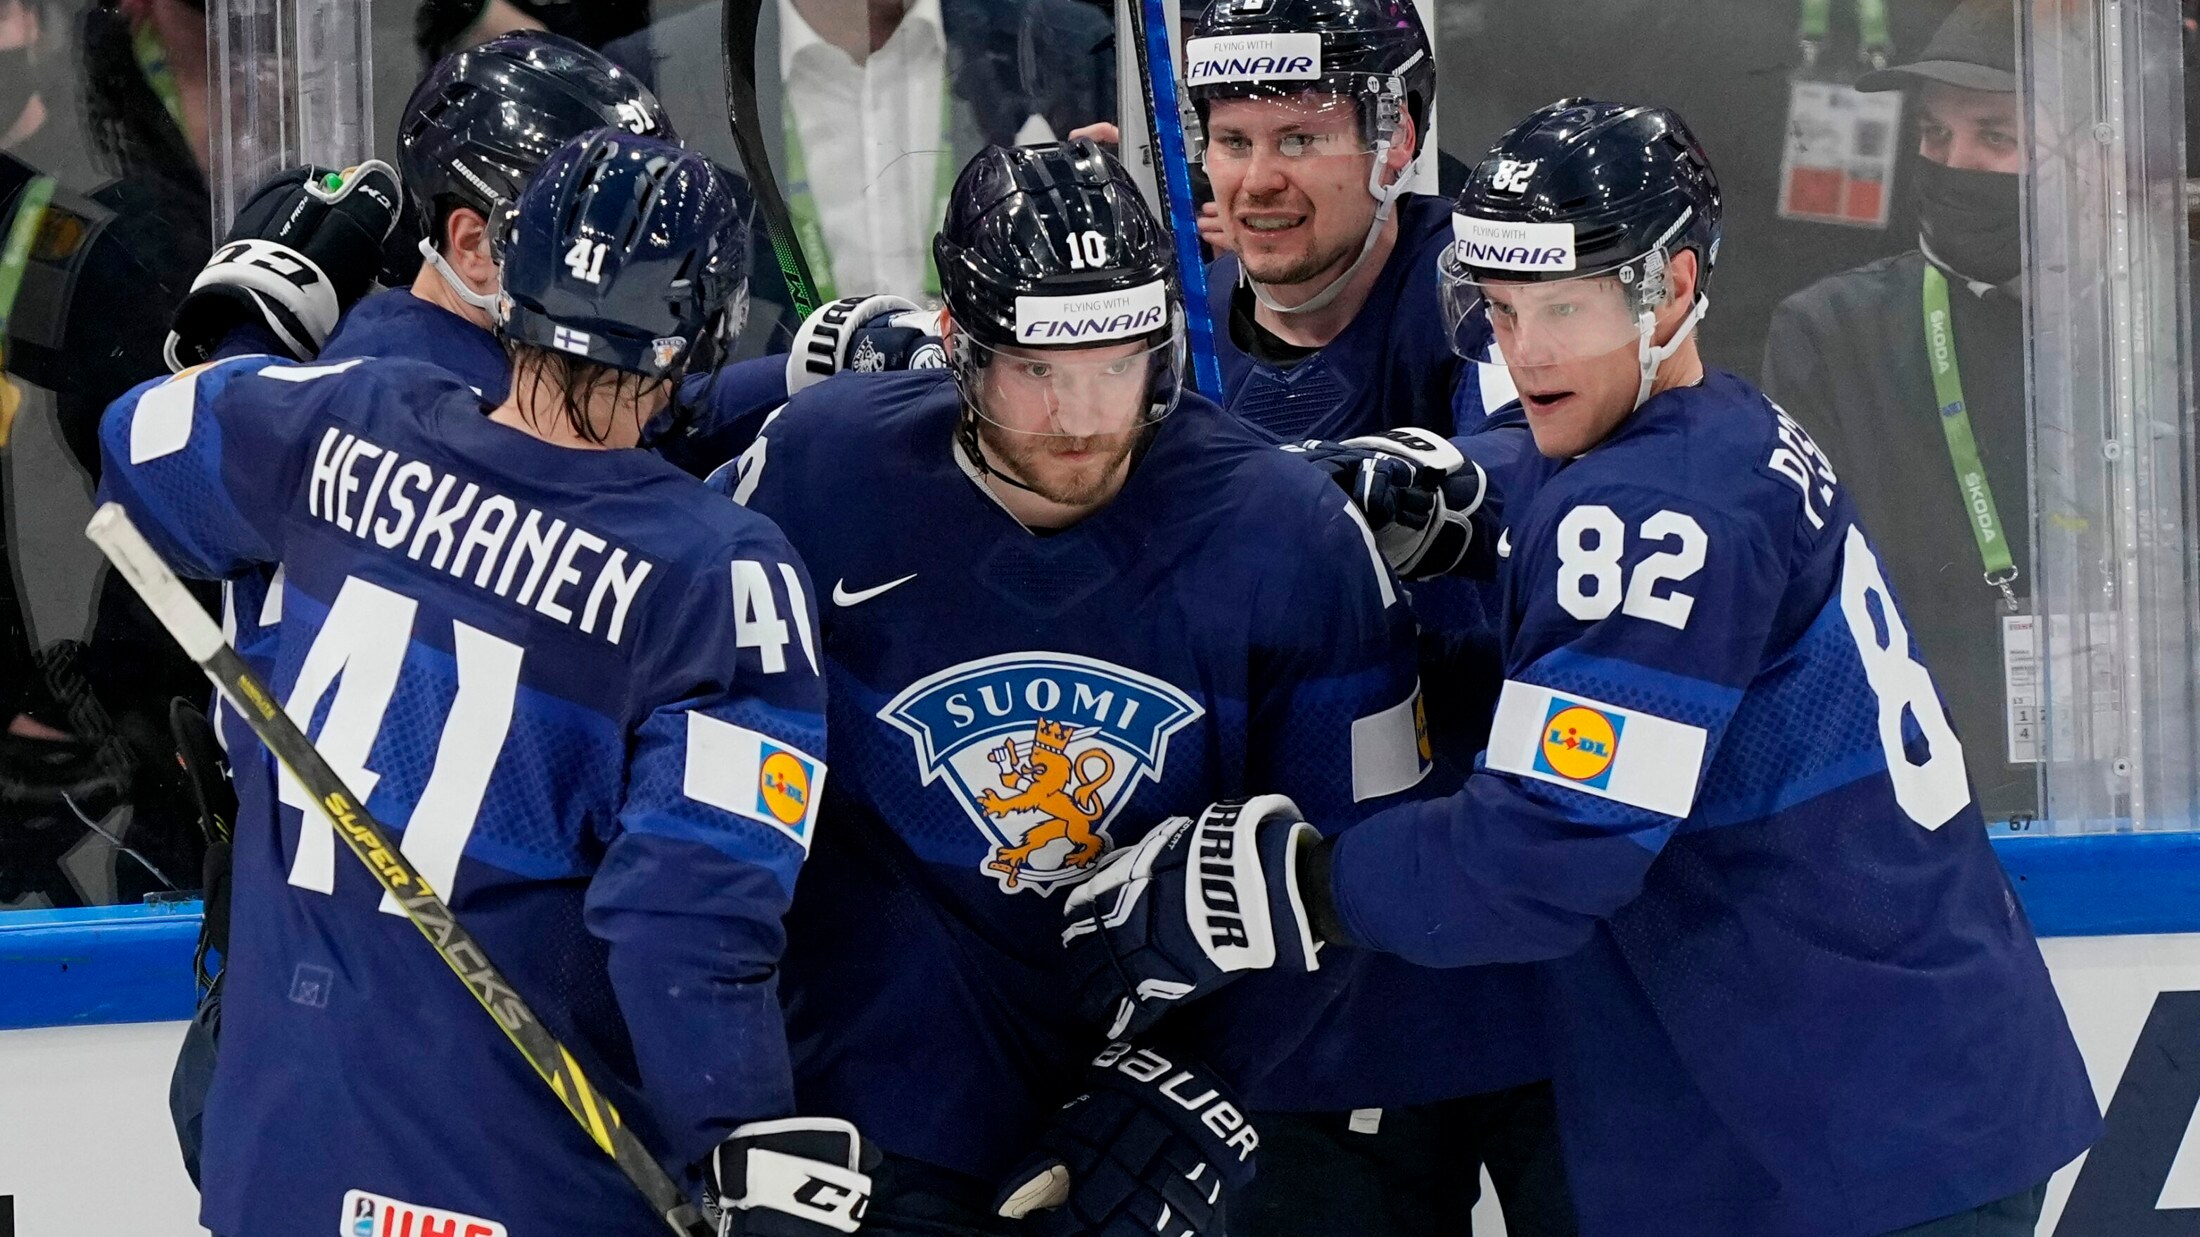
pixel 483 119
pixel 1052 248
pixel 1374 53
pixel 628 251
pixel 1584 190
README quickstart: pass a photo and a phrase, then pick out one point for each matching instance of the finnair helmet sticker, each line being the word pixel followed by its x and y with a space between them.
pixel 1093 318
pixel 1253 58
pixel 1513 246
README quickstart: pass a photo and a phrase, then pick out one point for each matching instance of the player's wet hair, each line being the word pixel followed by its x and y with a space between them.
pixel 562 387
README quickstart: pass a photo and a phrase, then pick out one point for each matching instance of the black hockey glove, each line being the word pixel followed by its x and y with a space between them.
pixel 1190 908
pixel 1418 494
pixel 305 246
pixel 795 1177
pixel 864 334
pixel 1154 1147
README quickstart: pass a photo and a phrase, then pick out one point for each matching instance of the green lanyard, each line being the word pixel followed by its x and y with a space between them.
pixel 30 211
pixel 810 229
pixel 152 60
pixel 1955 423
pixel 1873 41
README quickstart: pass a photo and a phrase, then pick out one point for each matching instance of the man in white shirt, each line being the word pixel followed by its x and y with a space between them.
pixel 866 167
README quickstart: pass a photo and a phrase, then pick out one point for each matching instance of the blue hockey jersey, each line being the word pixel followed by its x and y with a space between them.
pixel 569 681
pixel 1394 367
pixel 1391 368
pixel 1797 997
pixel 1007 707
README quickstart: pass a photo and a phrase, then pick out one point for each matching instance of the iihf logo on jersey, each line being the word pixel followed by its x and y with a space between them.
pixel 1042 750
pixel 376 1215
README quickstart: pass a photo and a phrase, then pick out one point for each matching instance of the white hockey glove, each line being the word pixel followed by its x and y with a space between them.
pixel 1417 492
pixel 305 246
pixel 795 1177
pixel 865 334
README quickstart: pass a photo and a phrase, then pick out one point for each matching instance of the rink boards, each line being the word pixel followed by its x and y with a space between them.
pixel 91 1004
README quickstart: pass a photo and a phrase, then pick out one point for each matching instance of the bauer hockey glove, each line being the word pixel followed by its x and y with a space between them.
pixel 794 1177
pixel 1191 907
pixel 1154 1147
pixel 304 247
pixel 864 334
pixel 1419 495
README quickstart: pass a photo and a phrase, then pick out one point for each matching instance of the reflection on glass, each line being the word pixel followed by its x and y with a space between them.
pixel 1909 372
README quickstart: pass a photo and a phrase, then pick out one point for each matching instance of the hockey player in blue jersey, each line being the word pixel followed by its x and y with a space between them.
pixel 1795 994
pixel 1044 630
pixel 530 648
pixel 290 275
pixel 1310 115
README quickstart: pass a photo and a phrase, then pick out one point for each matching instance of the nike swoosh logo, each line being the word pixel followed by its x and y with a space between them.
pixel 1505 544
pixel 842 597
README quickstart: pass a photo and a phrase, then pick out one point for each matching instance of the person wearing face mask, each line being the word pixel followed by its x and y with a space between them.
pixel 1912 370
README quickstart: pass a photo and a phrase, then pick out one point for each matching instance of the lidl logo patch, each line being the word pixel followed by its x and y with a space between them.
pixel 1579 742
pixel 751 774
pixel 783 786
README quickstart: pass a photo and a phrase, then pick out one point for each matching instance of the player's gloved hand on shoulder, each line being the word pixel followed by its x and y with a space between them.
pixel 304 246
pixel 794 1177
pixel 1418 493
pixel 1192 907
pixel 865 334
pixel 1154 1146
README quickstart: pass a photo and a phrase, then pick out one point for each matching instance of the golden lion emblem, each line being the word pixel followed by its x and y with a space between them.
pixel 1049 781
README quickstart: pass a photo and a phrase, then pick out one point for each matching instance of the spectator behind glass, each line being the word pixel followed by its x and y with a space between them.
pixel 869 108
pixel 1848 357
pixel 87 746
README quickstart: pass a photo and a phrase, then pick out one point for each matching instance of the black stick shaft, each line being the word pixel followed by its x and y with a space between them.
pixel 737 31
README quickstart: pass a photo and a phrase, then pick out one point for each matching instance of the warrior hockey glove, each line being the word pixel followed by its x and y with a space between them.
pixel 1191 907
pixel 796 1177
pixel 1153 1148
pixel 305 246
pixel 1417 492
pixel 865 334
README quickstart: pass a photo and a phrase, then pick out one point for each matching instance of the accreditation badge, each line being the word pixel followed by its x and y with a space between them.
pixel 1838 163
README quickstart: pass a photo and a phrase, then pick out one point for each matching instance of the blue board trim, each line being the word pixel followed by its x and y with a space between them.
pixel 133 963
pixel 2106 884
pixel 97 964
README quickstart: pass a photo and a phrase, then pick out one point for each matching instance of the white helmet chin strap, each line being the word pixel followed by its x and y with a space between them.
pixel 486 302
pixel 1386 197
pixel 1651 356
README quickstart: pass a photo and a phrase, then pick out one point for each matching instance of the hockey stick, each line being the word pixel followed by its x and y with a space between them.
pixel 1165 130
pixel 737 33
pixel 202 641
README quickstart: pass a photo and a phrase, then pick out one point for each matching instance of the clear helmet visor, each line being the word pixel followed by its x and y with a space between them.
pixel 1346 115
pixel 1098 391
pixel 1548 321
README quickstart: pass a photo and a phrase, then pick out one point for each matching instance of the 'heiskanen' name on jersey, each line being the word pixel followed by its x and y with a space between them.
pixel 1007 707
pixel 1794 995
pixel 548 671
